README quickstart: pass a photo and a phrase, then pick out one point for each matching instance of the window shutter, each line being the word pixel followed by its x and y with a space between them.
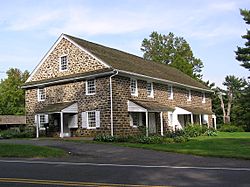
pixel 46 116
pixel 97 118
pixel 84 119
pixel 130 120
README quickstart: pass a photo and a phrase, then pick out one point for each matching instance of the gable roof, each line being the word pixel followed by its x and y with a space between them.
pixel 133 64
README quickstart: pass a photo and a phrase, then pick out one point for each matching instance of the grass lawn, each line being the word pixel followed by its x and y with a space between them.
pixel 230 145
pixel 16 150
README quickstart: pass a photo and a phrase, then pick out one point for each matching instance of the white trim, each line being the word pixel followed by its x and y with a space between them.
pixel 63 36
pixel 147 123
pixel 164 81
pixel 86 87
pixel 161 118
pixel 69 79
pixel 203 98
pixel 88 127
pixel 136 87
pixel 152 90
pixel 60 63
pixel 171 96
pixel 39 95
pixel 189 95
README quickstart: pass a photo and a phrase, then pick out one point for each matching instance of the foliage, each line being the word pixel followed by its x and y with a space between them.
pixel 229 145
pixel 230 128
pixel 23 132
pixel 12 97
pixel 243 53
pixel 140 139
pixel 16 150
pixel 229 97
pixel 211 132
pixel 172 50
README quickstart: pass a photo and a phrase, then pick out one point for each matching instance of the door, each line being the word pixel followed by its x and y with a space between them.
pixel 151 123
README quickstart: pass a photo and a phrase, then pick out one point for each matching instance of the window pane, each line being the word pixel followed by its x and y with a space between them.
pixel 90 86
pixel 149 89
pixel 41 94
pixel 133 86
pixel 91 119
pixel 64 64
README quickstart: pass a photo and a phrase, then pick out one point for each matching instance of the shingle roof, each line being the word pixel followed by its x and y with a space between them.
pixel 152 105
pixel 57 107
pixel 127 62
pixel 197 110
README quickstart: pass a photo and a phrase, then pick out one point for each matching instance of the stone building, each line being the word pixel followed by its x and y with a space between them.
pixel 81 88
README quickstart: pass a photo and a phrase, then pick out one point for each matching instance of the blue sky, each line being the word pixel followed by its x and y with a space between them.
pixel 213 29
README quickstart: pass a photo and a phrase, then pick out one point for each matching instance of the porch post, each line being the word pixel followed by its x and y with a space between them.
pixel 200 119
pixel 37 125
pixel 192 118
pixel 61 133
pixel 146 123
pixel 161 124
pixel 215 123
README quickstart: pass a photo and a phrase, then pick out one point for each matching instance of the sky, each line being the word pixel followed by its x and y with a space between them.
pixel 213 28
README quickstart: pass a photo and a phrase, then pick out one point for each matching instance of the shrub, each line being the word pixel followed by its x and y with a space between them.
pixel 26 132
pixel 104 138
pixel 211 132
pixel 193 130
pixel 231 128
pixel 180 139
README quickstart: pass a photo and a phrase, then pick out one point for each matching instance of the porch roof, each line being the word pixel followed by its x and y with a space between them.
pixel 57 107
pixel 152 106
pixel 196 110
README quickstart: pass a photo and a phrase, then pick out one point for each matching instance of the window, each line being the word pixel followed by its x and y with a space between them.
pixel 41 94
pixel 43 118
pixel 133 87
pixel 170 92
pixel 204 98
pixel 63 63
pixel 189 95
pixel 90 87
pixel 150 91
pixel 135 119
pixel 91 119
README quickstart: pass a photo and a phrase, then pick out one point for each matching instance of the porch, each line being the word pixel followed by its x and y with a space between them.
pixel 149 114
pixel 60 118
pixel 183 116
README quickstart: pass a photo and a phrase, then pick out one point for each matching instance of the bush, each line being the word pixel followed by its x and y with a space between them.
pixel 193 130
pixel 231 128
pixel 211 132
pixel 104 138
pixel 22 132
pixel 180 139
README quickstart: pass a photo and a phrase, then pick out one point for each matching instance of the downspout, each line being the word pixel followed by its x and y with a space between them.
pixel 111 103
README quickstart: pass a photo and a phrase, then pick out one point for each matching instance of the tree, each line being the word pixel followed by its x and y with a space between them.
pixel 172 50
pixel 12 96
pixel 243 53
pixel 234 87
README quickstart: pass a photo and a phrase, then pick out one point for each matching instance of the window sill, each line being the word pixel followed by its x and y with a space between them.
pixel 90 93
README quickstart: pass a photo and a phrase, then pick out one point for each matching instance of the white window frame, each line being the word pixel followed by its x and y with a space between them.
pixel 189 95
pixel 151 89
pixel 60 63
pixel 170 92
pixel 41 96
pixel 87 87
pixel 40 122
pixel 139 115
pixel 88 125
pixel 133 93
pixel 203 97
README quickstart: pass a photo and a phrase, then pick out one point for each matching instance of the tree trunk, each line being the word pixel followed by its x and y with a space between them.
pixel 222 107
pixel 229 105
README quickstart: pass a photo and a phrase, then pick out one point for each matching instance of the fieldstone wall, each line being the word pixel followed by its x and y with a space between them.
pixel 121 94
pixel 74 92
pixel 78 62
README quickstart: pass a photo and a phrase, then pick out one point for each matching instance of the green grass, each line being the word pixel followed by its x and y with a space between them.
pixel 28 151
pixel 229 145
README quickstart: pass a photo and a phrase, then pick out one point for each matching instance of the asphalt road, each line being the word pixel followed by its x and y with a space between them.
pixel 104 165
